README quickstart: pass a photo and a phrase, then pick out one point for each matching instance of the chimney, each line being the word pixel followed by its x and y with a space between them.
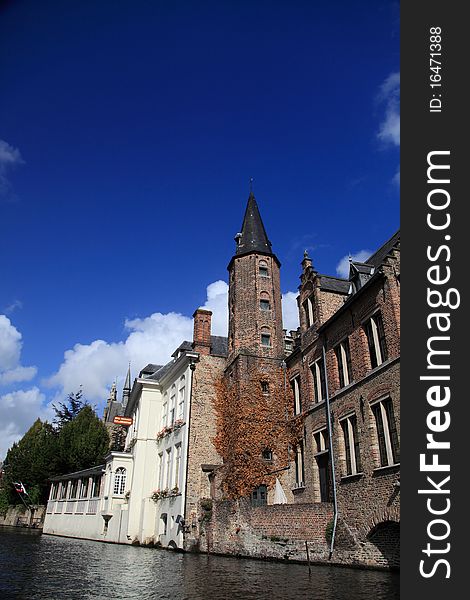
pixel 202 331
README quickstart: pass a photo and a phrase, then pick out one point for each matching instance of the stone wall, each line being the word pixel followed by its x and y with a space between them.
pixel 270 532
pixel 285 532
pixel 10 518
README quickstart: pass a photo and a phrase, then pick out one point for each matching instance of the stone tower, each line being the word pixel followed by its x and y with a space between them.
pixel 255 312
pixel 254 377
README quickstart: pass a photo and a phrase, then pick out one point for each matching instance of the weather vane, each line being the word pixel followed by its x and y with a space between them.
pixel 251 185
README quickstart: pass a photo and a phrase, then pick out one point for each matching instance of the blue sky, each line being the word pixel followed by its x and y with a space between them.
pixel 128 134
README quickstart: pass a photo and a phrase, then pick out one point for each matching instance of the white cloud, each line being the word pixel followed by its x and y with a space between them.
pixel 11 370
pixel 342 268
pixel 18 374
pixel 217 302
pixel 18 410
pixel 10 157
pixel 290 311
pixel 94 366
pixel 389 95
pixel 150 340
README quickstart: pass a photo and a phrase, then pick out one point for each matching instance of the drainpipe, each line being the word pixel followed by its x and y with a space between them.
pixel 192 366
pixel 330 440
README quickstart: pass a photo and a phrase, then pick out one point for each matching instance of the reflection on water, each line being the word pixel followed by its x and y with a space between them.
pixel 40 566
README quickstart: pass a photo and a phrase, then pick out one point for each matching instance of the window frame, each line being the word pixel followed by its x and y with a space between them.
pixel 343 358
pixel 352 454
pixel 386 431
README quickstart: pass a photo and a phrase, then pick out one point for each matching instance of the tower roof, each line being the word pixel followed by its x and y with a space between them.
pixel 253 236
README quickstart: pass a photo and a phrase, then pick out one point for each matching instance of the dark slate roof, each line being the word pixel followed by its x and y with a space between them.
pixel 253 236
pixel 219 345
pixel 381 254
pixel 183 346
pixel 363 268
pixel 160 372
pixel 149 369
pixel 86 472
pixel 334 284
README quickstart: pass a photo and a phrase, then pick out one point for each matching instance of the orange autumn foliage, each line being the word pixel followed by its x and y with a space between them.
pixel 251 421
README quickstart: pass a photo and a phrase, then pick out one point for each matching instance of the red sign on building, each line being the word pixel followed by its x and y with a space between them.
pixel 123 421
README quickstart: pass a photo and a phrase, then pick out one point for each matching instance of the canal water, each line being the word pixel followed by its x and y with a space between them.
pixel 35 566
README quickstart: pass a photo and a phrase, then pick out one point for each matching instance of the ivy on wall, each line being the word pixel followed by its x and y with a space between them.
pixel 255 420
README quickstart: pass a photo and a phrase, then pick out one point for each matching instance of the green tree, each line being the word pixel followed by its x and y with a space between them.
pixel 82 442
pixel 32 461
pixel 68 410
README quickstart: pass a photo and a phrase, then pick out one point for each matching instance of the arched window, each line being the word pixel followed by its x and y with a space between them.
pixel 119 481
pixel 264 302
pixel 265 337
pixel 263 268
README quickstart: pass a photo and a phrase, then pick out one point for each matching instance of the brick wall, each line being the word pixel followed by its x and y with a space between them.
pixel 202 431
pixel 271 532
pixel 370 499
pixel 246 319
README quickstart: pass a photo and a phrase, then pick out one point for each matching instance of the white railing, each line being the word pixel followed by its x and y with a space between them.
pixel 88 506
pixel 93 504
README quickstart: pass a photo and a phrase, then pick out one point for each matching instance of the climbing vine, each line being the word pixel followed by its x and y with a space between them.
pixel 254 420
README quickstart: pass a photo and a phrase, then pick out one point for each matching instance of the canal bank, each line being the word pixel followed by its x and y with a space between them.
pixel 38 566
pixel 20 516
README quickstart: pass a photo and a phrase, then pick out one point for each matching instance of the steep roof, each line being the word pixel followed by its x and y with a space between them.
pixel 381 254
pixel 253 237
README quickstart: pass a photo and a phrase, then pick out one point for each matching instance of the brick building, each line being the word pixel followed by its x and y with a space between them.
pixel 347 356
pixel 263 444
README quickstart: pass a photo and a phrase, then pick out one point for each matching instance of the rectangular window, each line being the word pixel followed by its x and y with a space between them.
pixel 84 488
pixel 376 340
pixel 265 340
pixel 351 445
pixel 164 414
pixel 96 486
pixel 74 489
pixel 343 356
pixel 296 390
pixel 63 490
pixel 265 387
pixel 264 305
pixel 387 434
pixel 259 496
pixel 319 383
pixel 263 271
pixel 299 465
pixel 181 403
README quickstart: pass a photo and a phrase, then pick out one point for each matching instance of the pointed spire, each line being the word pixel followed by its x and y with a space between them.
pixel 253 237
pixel 113 393
pixel 126 390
